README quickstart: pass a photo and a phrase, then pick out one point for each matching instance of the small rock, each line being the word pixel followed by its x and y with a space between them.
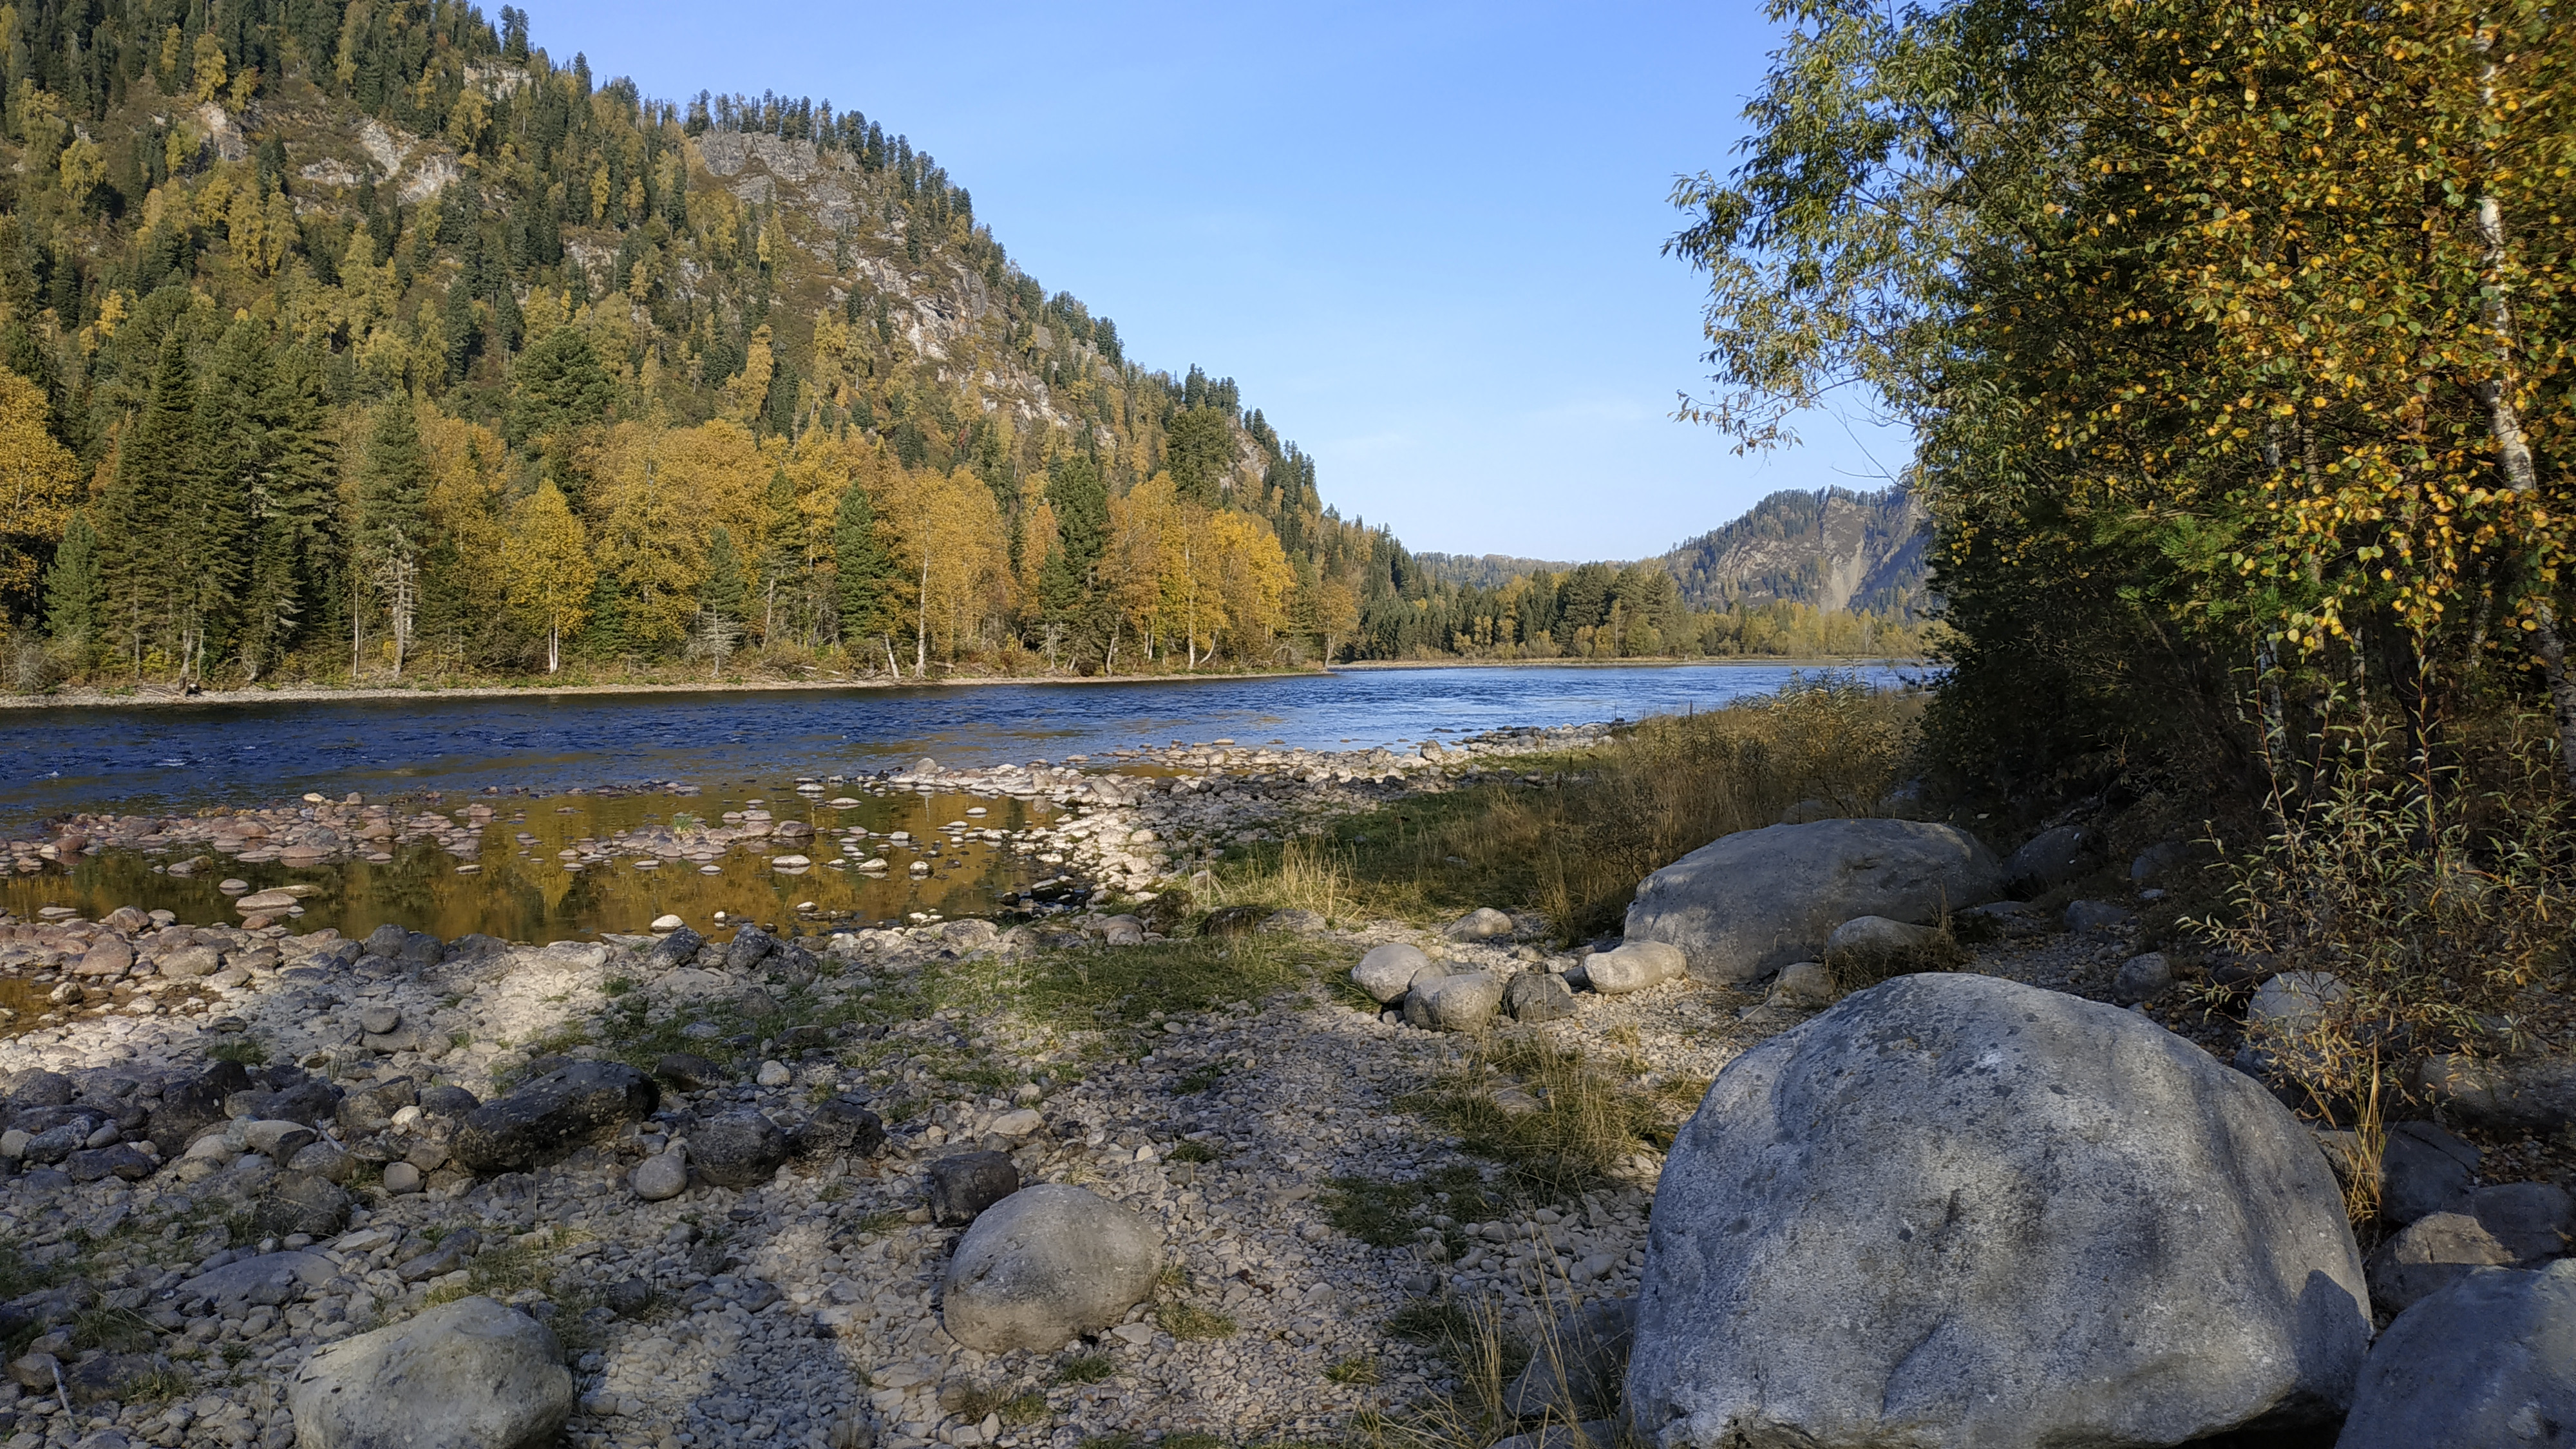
pixel 2533 1220
pixel 1535 996
pixel 1116 931
pixel 667 923
pixel 1481 924
pixel 741 1150
pixel 1388 972
pixel 2097 917
pixel 1295 921
pixel 2142 978
pixel 464 1375
pixel 662 1176
pixel 628 1297
pixel 1465 1002
pixel 1634 966
pixel 2434 1252
pixel 1019 1122
pixel 280 1140
pixel 774 1074
pixel 1878 935
pixel 2423 1170
pixel 377 1020
pixel 1575 1372
pixel 963 1186
pixel 1803 986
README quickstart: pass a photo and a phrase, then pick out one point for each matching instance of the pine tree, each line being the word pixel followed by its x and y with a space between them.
pixel 866 572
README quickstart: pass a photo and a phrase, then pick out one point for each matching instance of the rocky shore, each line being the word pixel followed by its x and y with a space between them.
pixel 1089 1174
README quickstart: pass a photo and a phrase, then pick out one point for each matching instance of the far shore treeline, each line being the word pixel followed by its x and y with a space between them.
pixel 352 342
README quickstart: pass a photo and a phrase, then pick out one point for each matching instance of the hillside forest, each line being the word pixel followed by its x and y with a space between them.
pixel 365 342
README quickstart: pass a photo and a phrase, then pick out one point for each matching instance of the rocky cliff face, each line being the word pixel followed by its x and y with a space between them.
pixel 1832 549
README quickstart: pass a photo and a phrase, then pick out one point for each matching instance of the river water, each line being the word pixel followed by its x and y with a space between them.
pixel 735 748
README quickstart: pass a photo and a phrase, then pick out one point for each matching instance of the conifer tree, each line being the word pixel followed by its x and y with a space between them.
pixel 782 552
pixel 157 460
pixel 393 525
pixel 866 574
pixel 288 592
pixel 72 592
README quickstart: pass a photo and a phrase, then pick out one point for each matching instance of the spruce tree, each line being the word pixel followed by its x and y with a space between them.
pixel 156 461
pixel 722 593
pixel 289 596
pixel 393 525
pixel 866 575
pixel 782 555
pixel 72 592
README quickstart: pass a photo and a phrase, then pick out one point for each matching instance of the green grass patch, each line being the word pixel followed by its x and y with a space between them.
pixel 1089 1368
pixel 1588 1119
pixel 244 1049
pixel 1109 987
pixel 1193 1152
pixel 1190 1323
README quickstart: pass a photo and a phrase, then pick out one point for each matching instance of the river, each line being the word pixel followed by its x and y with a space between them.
pixel 551 753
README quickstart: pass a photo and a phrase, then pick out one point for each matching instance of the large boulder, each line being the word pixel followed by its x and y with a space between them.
pixel 465 1375
pixel 1955 1210
pixel 2487 1362
pixel 551 1115
pixel 1045 1264
pixel 1745 905
pixel 2423 1170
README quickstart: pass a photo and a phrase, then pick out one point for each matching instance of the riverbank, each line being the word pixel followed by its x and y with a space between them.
pixel 157 696
pixel 1657 661
pixel 747 1153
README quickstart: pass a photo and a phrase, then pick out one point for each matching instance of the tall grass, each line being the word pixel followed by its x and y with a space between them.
pixel 2436 893
pixel 1575 844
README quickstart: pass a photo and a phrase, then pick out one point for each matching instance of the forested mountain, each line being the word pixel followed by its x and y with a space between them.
pixel 1832 549
pixel 1826 572
pixel 346 340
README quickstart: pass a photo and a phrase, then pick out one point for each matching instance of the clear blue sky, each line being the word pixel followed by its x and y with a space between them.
pixel 1424 238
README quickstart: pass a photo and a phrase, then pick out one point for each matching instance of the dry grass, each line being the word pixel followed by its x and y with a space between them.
pixel 1575 845
pixel 1588 1119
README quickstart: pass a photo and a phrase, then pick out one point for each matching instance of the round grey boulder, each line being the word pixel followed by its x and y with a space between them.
pixel 1046 1264
pixel 2489 1361
pixel 1465 1002
pixel 465 1375
pixel 1955 1210
pixel 1389 971
pixel 1747 904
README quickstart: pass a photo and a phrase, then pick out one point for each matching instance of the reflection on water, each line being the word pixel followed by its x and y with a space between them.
pixel 521 889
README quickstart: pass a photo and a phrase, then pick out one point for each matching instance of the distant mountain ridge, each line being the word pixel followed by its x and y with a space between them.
pixel 1831 548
